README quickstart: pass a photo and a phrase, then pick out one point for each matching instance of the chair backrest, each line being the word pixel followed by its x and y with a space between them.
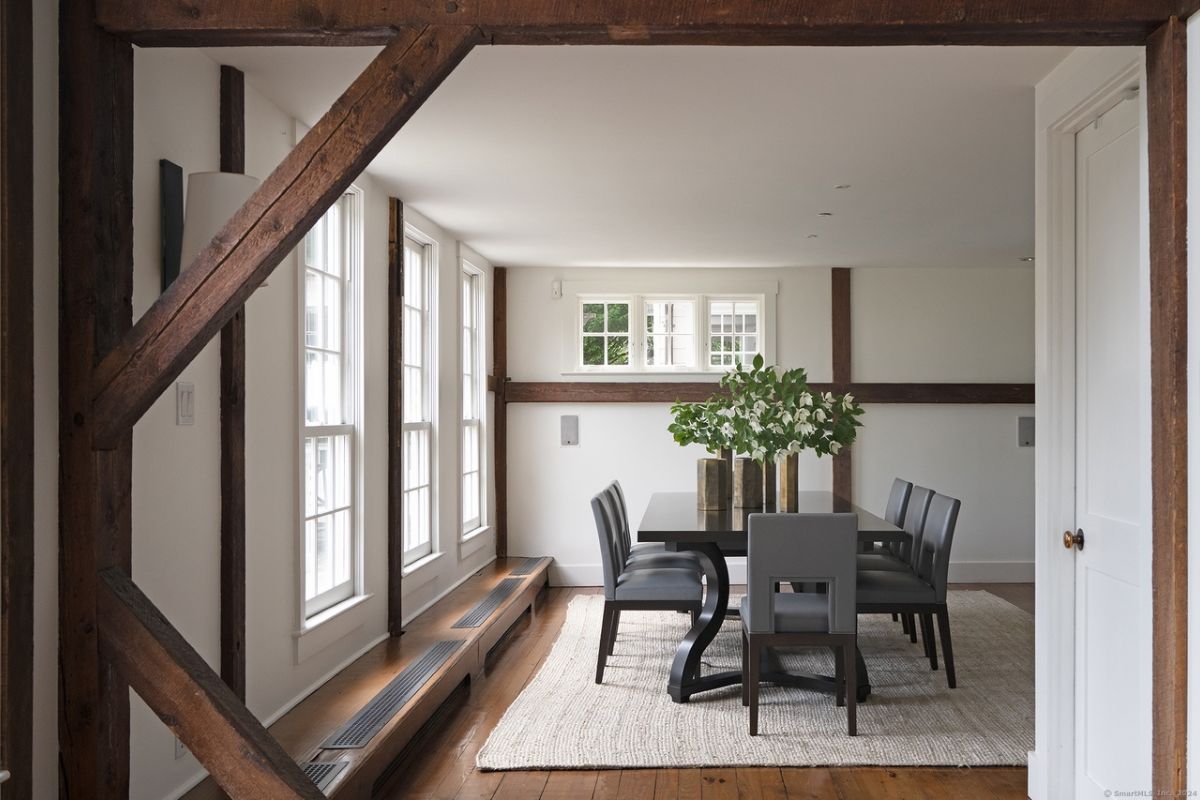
pixel 802 548
pixel 933 563
pixel 914 522
pixel 611 560
pixel 622 514
pixel 896 506
pixel 621 535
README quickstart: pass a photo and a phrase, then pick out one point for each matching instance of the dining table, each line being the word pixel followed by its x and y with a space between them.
pixel 675 519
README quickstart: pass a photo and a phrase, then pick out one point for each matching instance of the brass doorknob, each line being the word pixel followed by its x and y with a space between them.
pixel 1073 539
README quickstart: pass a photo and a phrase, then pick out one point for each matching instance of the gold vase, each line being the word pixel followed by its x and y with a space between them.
pixel 712 484
pixel 769 482
pixel 747 483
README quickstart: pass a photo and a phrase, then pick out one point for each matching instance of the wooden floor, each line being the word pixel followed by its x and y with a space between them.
pixel 441 764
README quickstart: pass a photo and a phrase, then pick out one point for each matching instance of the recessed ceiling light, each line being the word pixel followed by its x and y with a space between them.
pixel 811 236
pixel 842 186
pixel 825 214
pixel 1027 258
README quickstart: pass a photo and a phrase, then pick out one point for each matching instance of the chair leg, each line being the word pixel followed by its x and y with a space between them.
pixel 912 628
pixel 754 671
pixel 605 631
pixel 612 637
pixel 943 619
pixel 839 678
pixel 850 669
pixel 904 623
pixel 745 670
pixel 930 641
pixel 895 617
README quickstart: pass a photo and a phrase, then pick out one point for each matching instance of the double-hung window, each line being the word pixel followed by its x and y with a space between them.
pixel 472 401
pixel 328 432
pixel 417 429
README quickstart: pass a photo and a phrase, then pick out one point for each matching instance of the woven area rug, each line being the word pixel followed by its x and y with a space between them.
pixel 563 720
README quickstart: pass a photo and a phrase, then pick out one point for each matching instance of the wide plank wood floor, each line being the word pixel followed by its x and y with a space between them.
pixel 441 764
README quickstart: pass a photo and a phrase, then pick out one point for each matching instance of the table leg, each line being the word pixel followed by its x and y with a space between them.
pixel 685 677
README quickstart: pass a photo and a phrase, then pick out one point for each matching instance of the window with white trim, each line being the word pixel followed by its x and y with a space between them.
pixel 329 431
pixel 417 429
pixel 698 333
pixel 473 386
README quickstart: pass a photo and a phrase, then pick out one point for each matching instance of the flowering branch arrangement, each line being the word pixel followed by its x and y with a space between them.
pixel 768 415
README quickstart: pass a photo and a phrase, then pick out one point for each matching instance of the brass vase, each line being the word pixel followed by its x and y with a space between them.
pixel 789 484
pixel 727 455
pixel 712 484
pixel 769 483
pixel 747 483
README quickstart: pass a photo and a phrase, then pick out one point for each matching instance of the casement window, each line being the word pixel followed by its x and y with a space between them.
pixel 473 387
pixel 418 372
pixel 329 429
pixel 668 333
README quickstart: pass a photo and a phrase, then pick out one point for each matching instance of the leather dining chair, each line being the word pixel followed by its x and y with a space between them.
pixel 800 548
pixel 634 587
pixel 647 554
pixel 898 558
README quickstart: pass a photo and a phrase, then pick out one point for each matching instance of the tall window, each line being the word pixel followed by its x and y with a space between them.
pixel 472 401
pixel 330 390
pixel 417 452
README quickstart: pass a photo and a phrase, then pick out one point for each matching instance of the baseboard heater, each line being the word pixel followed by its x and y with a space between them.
pixel 322 773
pixel 371 718
pixel 527 566
pixel 484 608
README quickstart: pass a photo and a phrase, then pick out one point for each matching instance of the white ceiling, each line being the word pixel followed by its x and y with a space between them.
pixel 706 156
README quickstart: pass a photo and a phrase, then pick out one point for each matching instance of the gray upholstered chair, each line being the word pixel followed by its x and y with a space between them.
pixel 800 548
pixel 898 558
pixel 635 588
pixel 894 513
pixel 921 592
pixel 644 554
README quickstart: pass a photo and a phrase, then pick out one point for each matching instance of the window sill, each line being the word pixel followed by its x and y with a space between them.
pixel 420 564
pixel 473 541
pixel 325 628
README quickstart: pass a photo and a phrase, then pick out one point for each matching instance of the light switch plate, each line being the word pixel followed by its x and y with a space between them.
pixel 1025 432
pixel 180 748
pixel 570 430
pixel 185 403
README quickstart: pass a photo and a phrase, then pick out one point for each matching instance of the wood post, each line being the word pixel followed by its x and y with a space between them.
pixel 233 420
pixel 16 396
pixel 500 384
pixel 1166 100
pixel 395 527
pixel 843 473
pixel 96 287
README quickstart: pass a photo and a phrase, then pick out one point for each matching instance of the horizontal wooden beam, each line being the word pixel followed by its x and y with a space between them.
pixel 191 699
pixel 663 392
pixel 751 22
pixel 272 222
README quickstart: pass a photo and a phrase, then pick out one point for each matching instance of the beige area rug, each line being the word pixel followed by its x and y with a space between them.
pixel 563 720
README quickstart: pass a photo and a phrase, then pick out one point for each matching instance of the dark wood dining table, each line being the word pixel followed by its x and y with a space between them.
pixel 673 518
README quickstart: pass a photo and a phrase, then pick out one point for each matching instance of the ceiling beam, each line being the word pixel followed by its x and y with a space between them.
pixel 272 222
pixel 749 22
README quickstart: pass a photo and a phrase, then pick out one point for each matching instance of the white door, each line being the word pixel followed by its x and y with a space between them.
pixel 1108 664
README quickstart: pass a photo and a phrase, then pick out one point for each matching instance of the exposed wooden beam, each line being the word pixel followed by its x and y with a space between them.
pixel 192 700
pixel 273 221
pixel 16 397
pixel 1166 98
pixel 663 392
pixel 840 316
pixel 395 414
pixel 233 419
pixel 96 289
pixel 499 385
pixel 234 22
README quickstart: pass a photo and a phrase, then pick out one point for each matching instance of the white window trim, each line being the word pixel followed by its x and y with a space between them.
pixel 700 289
pixel 416 559
pixel 471 528
pixel 353 333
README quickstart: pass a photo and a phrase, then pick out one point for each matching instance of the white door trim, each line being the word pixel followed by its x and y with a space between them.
pixel 1083 87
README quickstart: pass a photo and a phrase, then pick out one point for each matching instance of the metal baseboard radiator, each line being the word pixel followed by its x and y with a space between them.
pixel 484 608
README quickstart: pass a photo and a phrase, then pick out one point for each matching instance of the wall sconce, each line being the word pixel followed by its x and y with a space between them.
pixel 212 198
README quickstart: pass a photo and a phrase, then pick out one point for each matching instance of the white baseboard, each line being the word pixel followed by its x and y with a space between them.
pixel 960 572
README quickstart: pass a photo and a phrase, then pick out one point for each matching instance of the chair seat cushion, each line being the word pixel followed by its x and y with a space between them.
pixel 893 588
pixel 648 547
pixel 664 560
pixel 668 585
pixel 885 562
pixel 796 613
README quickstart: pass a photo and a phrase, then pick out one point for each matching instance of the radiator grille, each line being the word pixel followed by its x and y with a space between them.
pixel 322 773
pixel 527 566
pixel 371 718
pixel 484 608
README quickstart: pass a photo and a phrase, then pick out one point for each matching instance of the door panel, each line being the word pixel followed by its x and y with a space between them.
pixel 1108 664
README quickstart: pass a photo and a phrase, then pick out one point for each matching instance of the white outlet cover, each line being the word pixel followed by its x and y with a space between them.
pixel 185 403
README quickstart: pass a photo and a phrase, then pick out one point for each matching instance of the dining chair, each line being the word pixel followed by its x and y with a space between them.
pixel 894 513
pixel 643 554
pixel 800 548
pixel 630 587
pixel 899 559
pixel 920 593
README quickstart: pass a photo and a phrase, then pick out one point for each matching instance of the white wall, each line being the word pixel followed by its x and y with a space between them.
pixel 961 325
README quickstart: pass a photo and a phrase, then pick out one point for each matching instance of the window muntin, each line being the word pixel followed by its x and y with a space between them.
pixel 605 333
pixel 328 430
pixel 670 332
pixel 734 332
pixel 417 427
pixel 472 400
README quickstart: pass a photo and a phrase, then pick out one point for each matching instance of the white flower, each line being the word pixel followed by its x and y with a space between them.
pixel 827 397
pixel 806 399
pixel 847 401
pixel 820 415
pixel 834 447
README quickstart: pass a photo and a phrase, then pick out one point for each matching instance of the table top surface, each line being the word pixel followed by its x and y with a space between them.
pixel 674 517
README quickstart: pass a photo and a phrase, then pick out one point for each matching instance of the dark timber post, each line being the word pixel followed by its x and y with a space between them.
pixel 395 414
pixel 843 476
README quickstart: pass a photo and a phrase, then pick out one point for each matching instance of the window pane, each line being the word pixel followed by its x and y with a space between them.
pixel 310 477
pixel 593 317
pixel 618 317
pixel 312 310
pixel 618 350
pixel 593 350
